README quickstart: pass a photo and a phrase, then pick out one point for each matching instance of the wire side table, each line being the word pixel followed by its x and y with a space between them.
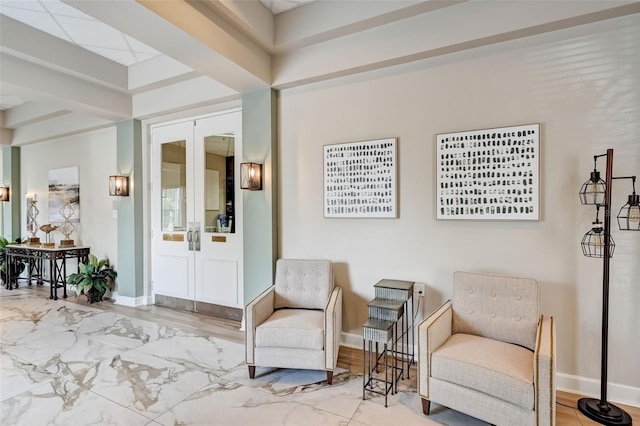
pixel 400 290
pixel 378 331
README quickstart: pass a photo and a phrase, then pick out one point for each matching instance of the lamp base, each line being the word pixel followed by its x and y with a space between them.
pixel 607 414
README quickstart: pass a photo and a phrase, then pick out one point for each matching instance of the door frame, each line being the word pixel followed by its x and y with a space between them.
pixel 148 125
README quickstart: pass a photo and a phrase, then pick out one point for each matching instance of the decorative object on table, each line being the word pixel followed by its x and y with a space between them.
pixel 94 279
pixel 48 229
pixel 32 223
pixel 66 212
pixel 64 186
pixel 4 193
pixel 488 174
pixel 598 243
pixel 119 186
pixel 251 176
pixel 224 223
pixel 17 265
pixel 360 179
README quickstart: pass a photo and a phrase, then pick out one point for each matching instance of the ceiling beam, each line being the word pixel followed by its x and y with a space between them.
pixel 66 125
pixel 321 21
pixel 36 46
pixel 250 17
pixel 41 84
pixel 184 95
pixel 29 113
pixel 178 30
pixel 430 35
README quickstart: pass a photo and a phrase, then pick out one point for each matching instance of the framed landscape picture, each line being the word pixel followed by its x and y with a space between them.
pixel 489 174
pixel 360 179
pixel 64 185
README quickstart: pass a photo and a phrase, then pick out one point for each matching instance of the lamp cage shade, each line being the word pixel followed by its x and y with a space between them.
pixel 4 193
pixel 251 176
pixel 119 186
pixel 629 215
pixel 593 242
pixel 593 190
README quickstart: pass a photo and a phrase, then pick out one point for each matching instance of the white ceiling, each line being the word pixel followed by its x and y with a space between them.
pixel 68 23
pixel 91 63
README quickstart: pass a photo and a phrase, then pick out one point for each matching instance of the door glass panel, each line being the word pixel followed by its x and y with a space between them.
pixel 219 203
pixel 174 185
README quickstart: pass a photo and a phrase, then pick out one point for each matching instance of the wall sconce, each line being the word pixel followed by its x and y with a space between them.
pixel 4 193
pixel 251 176
pixel 119 186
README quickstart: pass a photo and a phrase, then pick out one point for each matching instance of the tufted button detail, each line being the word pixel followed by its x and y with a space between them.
pixel 493 294
pixel 287 288
pixel 518 298
pixel 470 291
pixel 470 311
pixel 288 274
pixel 319 274
pixel 302 289
pixel 517 318
pixel 493 315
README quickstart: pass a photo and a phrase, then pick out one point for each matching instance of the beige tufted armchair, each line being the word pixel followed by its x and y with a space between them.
pixel 297 322
pixel 488 353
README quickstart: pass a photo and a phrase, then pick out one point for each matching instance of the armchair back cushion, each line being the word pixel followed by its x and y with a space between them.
pixel 496 307
pixel 303 284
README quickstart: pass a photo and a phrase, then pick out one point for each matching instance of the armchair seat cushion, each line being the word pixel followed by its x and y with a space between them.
pixel 500 369
pixel 292 328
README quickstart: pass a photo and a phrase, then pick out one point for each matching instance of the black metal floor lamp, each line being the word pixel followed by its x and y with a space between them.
pixel 598 243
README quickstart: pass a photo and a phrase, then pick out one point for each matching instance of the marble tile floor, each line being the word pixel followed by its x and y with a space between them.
pixel 68 363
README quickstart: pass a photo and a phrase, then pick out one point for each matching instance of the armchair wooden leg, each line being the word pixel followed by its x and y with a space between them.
pixel 252 371
pixel 329 377
pixel 426 406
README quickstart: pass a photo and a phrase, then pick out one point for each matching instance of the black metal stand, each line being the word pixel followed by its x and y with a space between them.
pixel 607 414
pixel 602 411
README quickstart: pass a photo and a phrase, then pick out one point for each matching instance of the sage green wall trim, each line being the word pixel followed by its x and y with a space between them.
pixel 130 224
pixel 260 208
pixel 11 178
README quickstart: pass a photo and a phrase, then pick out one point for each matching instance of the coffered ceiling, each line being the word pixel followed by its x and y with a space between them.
pixel 67 66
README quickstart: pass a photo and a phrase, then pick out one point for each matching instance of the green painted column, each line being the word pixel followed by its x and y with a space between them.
pixel 11 178
pixel 260 208
pixel 130 224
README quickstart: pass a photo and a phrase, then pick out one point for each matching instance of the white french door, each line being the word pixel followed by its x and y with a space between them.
pixel 197 210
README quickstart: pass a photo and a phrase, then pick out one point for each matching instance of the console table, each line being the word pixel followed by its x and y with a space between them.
pixel 36 256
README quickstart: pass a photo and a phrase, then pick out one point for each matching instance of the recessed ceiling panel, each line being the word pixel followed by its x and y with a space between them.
pixel 67 23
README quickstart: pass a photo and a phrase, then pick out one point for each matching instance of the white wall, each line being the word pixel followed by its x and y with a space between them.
pixel 95 155
pixel 582 85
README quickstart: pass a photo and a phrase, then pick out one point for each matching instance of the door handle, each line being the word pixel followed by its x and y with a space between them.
pixel 190 239
pixel 197 240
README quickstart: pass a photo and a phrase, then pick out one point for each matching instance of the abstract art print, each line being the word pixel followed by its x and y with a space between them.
pixel 360 179
pixel 489 174
pixel 64 186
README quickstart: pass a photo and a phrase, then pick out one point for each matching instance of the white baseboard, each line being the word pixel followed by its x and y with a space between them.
pixel 128 301
pixel 616 393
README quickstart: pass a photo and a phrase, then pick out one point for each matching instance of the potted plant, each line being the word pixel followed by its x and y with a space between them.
pixel 17 266
pixel 94 279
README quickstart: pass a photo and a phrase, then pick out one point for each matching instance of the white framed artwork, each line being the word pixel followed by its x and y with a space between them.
pixel 360 179
pixel 490 174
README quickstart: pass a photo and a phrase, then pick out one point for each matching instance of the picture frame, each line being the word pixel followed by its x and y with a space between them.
pixel 360 179
pixel 489 174
pixel 64 186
